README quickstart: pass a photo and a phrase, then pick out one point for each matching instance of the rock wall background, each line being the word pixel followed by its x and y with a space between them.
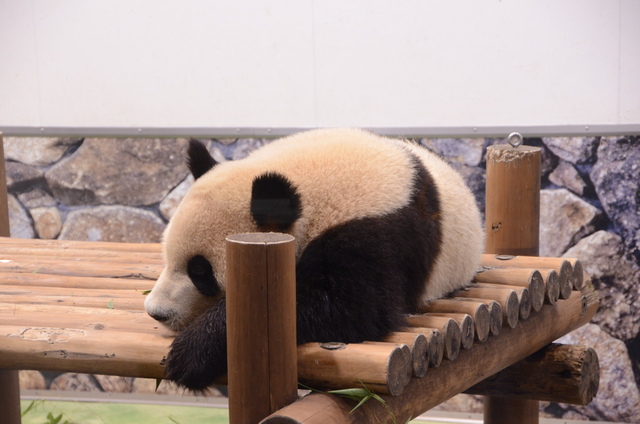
pixel 127 189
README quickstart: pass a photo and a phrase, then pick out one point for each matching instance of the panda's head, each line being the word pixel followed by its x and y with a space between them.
pixel 225 199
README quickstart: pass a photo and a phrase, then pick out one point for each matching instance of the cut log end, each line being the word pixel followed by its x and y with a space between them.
pixel 566 279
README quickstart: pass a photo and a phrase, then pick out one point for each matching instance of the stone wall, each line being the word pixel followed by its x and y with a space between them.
pixel 127 189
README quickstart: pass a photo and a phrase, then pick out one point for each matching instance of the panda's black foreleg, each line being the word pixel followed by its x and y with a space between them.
pixel 350 288
pixel 198 355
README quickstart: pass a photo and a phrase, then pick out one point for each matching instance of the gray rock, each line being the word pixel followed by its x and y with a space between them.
pixel 31 380
pixel 19 220
pixel 616 177
pixel 467 151
pixel 21 175
pixel 244 146
pixel 76 382
pixel 36 198
pixel 170 203
pixel 565 175
pixel 475 178
pixel 113 223
pixel 618 398
pixel 564 219
pixel 47 222
pixel 115 384
pixel 126 172
pixel 38 151
pixel 615 276
pixel 572 149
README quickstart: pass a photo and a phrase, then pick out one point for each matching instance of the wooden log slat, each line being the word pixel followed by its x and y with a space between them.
pixel 86 351
pixel 495 312
pixel 435 343
pixel 478 363
pixel 551 285
pixel 83 269
pixel 507 298
pixel 523 294
pixel 466 324
pixel 382 367
pixel 478 311
pixel 39 253
pixel 30 315
pixel 419 347
pixel 118 349
pixel 563 266
pixel 73 282
pixel 529 278
pixel 77 301
pixel 450 329
pixel 55 245
pixel 26 291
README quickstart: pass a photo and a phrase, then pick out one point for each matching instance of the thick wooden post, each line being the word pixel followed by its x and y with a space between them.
pixel 512 225
pixel 9 384
pixel 261 325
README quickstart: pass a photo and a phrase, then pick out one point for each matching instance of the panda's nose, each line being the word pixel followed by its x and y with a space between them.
pixel 160 317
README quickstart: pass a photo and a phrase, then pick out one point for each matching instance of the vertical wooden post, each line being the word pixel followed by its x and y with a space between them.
pixel 261 325
pixel 9 383
pixel 512 225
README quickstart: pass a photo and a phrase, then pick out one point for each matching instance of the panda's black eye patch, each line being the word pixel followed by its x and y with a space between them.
pixel 201 273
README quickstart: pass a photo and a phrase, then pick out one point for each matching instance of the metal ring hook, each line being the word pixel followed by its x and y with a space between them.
pixel 515 139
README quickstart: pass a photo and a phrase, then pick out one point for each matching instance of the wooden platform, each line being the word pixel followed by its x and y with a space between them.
pixel 78 306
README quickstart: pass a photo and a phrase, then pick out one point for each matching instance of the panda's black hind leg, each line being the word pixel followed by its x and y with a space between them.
pixel 198 355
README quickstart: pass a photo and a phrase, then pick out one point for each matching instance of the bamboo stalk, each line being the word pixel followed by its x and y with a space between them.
pixel 507 298
pixel 522 277
pixel 449 328
pixel 419 347
pixel 556 373
pixel 478 311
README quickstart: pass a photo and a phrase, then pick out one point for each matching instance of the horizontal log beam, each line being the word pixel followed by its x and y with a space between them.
pixel 557 373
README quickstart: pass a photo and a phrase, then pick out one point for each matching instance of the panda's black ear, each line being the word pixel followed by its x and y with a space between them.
pixel 199 159
pixel 275 202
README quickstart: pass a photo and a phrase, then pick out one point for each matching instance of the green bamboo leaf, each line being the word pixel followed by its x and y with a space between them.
pixel 110 304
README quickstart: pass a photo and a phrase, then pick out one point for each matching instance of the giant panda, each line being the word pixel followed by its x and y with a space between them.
pixel 381 226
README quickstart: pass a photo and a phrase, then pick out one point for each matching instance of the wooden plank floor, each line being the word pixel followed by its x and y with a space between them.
pixel 78 306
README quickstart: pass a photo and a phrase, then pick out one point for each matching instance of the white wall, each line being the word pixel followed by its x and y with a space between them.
pixel 207 64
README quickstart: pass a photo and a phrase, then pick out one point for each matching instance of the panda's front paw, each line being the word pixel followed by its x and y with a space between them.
pixel 192 367
pixel 198 355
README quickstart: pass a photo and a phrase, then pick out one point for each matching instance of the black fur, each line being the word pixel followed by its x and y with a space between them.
pixel 198 355
pixel 199 160
pixel 355 282
pixel 275 202
pixel 201 273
